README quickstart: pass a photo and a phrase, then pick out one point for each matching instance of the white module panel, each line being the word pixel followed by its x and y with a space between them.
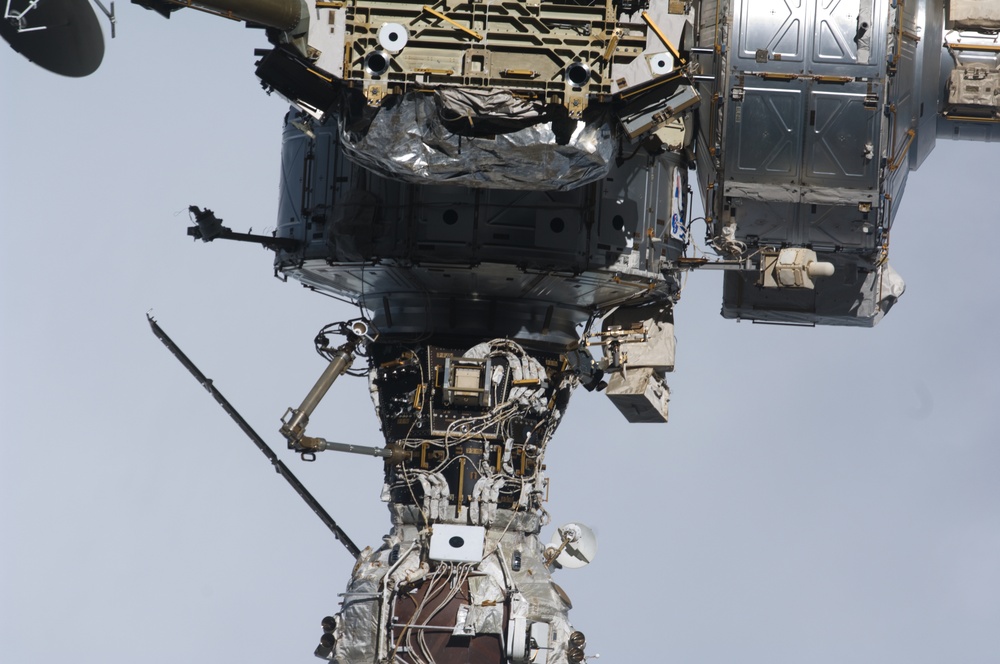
pixel 458 544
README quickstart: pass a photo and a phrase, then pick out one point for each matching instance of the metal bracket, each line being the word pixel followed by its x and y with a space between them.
pixel 109 14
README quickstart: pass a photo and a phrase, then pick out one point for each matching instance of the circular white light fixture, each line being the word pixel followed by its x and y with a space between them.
pixel 393 37
pixel 660 63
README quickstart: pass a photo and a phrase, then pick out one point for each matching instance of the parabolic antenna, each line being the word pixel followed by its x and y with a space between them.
pixel 579 545
pixel 63 36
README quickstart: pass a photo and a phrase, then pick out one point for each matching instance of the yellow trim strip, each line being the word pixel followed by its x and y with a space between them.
pixel 973 47
pixel 454 24
pixel 969 118
pixel 663 38
pixel 612 45
pixel 631 93
pixel 325 78
pixel 519 72
pixel 898 159
pixel 778 76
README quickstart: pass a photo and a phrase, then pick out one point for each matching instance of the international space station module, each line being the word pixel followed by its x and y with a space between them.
pixel 503 186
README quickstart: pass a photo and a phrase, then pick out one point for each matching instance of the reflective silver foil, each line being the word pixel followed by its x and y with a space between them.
pixel 409 141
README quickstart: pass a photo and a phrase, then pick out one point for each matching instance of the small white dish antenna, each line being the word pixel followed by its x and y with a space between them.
pixel 573 546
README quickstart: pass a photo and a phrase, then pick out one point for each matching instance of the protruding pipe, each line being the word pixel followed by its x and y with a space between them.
pixel 294 428
pixel 390 453
pixel 820 269
pixel 283 15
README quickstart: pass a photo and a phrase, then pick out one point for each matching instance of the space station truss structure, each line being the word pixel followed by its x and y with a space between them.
pixel 481 170
pixel 503 187
pixel 487 179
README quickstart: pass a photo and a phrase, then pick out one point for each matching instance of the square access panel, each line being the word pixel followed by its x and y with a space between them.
pixel 458 544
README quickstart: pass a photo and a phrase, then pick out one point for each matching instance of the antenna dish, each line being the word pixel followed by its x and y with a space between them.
pixel 580 545
pixel 63 36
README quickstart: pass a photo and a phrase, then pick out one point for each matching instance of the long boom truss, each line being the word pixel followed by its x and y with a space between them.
pixel 279 465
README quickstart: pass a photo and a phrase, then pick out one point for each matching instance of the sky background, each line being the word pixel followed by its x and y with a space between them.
pixel 827 496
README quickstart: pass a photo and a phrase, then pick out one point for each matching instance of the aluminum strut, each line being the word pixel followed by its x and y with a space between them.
pixel 278 464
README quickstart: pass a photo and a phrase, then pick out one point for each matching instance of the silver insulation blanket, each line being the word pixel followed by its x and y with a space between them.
pixel 495 584
pixel 358 623
pixel 409 141
pixel 541 599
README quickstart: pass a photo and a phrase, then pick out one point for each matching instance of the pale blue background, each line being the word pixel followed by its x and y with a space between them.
pixel 821 496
